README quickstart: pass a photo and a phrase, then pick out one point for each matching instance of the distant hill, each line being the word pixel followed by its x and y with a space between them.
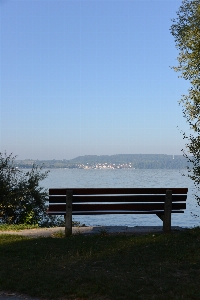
pixel 137 161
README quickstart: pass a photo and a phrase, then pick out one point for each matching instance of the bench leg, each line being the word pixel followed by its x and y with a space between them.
pixel 167 212
pixel 160 216
pixel 68 216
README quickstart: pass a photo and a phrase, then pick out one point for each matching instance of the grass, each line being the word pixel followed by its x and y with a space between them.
pixel 5 227
pixel 153 266
pixel 12 227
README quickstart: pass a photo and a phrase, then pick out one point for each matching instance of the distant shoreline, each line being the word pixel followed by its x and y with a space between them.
pixel 118 161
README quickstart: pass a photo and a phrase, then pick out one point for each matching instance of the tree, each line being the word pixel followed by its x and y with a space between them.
pixel 22 200
pixel 186 31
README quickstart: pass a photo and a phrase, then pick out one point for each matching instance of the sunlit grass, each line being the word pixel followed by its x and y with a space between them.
pixel 12 227
pixel 4 227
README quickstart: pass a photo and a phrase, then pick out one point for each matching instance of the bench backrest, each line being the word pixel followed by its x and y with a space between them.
pixel 87 201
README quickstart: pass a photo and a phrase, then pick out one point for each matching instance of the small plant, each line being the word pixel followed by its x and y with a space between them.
pixel 77 224
pixel 103 232
pixel 59 234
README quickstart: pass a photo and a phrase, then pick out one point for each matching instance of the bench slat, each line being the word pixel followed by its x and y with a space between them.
pixel 116 206
pixel 118 198
pixel 93 191
pixel 114 213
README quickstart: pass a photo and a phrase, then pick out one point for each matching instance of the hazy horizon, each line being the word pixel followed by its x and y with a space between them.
pixel 28 158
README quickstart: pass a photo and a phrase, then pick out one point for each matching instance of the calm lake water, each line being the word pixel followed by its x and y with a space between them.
pixel 74 178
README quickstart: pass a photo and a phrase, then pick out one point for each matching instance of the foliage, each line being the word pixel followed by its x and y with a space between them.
pixel 186 31
pixel 22 200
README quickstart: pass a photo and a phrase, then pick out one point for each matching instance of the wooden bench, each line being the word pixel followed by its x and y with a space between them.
pixel 98 201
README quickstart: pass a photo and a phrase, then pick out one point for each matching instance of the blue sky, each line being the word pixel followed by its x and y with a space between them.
pixel 89 77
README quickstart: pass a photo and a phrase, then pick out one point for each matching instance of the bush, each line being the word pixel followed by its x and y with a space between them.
pixel 22 200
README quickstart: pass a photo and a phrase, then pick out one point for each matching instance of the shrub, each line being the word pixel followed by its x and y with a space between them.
pixel 22 199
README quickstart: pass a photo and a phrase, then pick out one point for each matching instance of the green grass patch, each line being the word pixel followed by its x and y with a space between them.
pixel 11 227
pixel 153 266
pixel 4 227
